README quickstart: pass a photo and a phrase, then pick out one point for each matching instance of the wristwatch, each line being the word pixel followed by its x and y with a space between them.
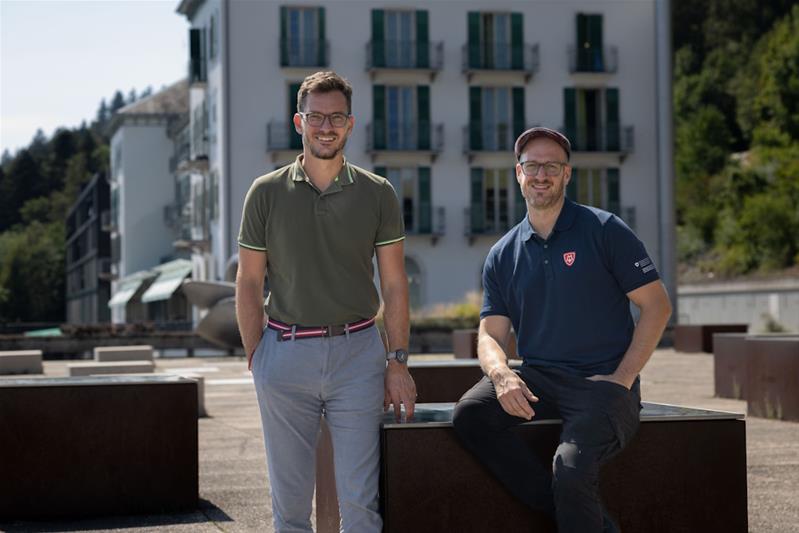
pixel 400 355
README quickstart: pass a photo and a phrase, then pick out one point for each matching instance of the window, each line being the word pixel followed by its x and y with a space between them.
pixel 412 185
pixel 496 41
pixel 414 274
pixel 592 119
pixel 401 117
pixel 197 55
pixel 589 43
pixel 597 187
pixel 400 39
pixel 496 117
pixel 302 37
pixel 497 202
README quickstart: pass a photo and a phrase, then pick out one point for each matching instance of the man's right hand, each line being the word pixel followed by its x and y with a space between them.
pixel 512 393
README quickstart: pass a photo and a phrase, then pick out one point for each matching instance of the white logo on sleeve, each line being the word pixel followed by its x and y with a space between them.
pixel 645 265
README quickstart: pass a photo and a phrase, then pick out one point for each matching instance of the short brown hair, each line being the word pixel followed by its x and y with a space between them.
pixel 324 82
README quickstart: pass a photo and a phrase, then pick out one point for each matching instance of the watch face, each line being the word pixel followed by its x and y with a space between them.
pixel 402 356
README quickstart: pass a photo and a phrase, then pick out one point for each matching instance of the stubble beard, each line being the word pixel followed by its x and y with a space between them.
pixel 324 153
pixel 542 203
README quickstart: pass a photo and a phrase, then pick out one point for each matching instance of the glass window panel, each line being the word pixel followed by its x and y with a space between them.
pixel 502 41
pixel 309 36
pixel 294 36
pixel 392 114
pixel 391 38
pixel 405 38
pixel 489 119
pixel 504 120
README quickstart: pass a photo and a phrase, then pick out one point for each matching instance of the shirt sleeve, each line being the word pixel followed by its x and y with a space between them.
pixel 392 228
pixel 493 300
pixel 254 216
pixel 628 259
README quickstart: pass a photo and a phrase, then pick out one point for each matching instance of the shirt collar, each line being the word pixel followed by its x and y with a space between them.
pixel 565 220
pixel 345 176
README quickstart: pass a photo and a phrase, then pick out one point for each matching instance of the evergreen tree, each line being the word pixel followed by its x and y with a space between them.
pixel 117 102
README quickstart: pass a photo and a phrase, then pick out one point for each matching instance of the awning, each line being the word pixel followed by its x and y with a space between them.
pixel 128 287
pixel 171 275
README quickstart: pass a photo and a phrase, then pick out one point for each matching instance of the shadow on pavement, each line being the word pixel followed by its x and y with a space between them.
pixel 207 512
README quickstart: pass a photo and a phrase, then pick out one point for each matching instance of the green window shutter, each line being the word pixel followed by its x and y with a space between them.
pixel 595 40
pixel 519 121
pixel 477 218
pixel 381 171
pixel 473 43
pixel 614 196
pixel 516 41
pixel 425 207
pixel 570 116
pixel 295 139
pixel 378 39
pixel 612 129
pixel 423 116
pixel 321 45
pixel 571 188
pixel 582 50
pixel 475 119
pixel 379 116
pixel 422 40
pixel 284 36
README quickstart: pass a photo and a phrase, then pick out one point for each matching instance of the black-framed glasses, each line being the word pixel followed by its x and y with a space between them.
pixel 314 119
pixel 551 168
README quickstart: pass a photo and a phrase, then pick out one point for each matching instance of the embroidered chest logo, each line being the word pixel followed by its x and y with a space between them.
pixel 569 257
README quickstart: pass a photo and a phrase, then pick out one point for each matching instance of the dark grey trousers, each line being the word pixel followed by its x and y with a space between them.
pixel 599 419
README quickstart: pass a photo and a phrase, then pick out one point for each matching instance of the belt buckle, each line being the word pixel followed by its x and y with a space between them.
pixel 335 331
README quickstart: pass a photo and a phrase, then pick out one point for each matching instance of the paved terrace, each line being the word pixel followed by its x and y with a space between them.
pixel 234 482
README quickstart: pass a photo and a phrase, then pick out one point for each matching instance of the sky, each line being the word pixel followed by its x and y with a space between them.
pixel 60 58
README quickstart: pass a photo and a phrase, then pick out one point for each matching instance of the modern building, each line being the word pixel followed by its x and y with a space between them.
pixel 88 243
pixel 144 220
pixel 441 89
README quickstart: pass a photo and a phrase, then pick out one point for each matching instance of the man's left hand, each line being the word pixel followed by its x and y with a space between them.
pixel 613 379
pixel 399 389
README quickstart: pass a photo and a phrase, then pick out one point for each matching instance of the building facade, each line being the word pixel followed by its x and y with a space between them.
pixel 88 254
pixel 440 92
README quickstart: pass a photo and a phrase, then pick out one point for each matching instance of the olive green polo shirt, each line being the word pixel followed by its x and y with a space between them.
pixel 320 245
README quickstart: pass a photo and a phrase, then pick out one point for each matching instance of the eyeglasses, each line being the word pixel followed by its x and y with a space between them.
pixel 337 120
pixel 551 168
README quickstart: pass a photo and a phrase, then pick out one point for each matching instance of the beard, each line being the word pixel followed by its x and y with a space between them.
pixel 324 152
pixel 544 199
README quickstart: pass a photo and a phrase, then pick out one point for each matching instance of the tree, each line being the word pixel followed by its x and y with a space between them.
pixel 117 102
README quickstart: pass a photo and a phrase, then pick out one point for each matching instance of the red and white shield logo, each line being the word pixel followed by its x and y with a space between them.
pixel 568 258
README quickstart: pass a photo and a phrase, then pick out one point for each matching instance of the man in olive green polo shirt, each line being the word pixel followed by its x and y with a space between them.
pixel 314 227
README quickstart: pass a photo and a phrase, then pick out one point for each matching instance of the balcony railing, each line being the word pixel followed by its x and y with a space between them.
pixel 106 222
pixel 611 138
pixel 402 55
pixel 593 59
pixel 282 136
pixel 303 53
pixel 432 221
pixel 475 222
pixel 420 136
pixel 500 56
pixel 496 138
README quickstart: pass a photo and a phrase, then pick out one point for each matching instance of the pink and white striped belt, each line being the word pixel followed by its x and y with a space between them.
pixel 288 332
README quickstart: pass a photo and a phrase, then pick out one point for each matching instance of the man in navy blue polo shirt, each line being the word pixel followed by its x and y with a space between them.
pixel 563 278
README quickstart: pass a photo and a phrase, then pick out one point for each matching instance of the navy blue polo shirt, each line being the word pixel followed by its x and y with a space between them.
pixel 566 296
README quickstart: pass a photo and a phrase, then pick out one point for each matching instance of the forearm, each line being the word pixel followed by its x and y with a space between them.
pixel 645 339
pixel 492 357
pixel 395 315
pixel 249 314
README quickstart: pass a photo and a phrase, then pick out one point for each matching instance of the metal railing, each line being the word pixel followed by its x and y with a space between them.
pixel 610 138
pixel 499 138
pixel 601 60
pixel 500 56
pixel 304 53
pixel 282 136
pixel 475 223
pixel 421 136
pixel 401 55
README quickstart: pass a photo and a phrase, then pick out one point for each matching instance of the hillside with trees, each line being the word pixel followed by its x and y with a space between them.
pixel 736 111
pixel 38 185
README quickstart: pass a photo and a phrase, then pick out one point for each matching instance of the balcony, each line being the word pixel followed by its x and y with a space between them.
pixel 490 59
pixel 432 223
pixel 398 57
pixel 390 142
pixel 593 60
pixel 475 223
pixel 608 145
pixel 489 145
pixel 282 141
pixel 304 53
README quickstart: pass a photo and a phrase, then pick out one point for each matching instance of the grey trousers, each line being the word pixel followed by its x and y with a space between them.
pixel 297 382
pixel 599 419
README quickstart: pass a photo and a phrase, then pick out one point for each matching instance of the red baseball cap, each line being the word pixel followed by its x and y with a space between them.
pixel 540 131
